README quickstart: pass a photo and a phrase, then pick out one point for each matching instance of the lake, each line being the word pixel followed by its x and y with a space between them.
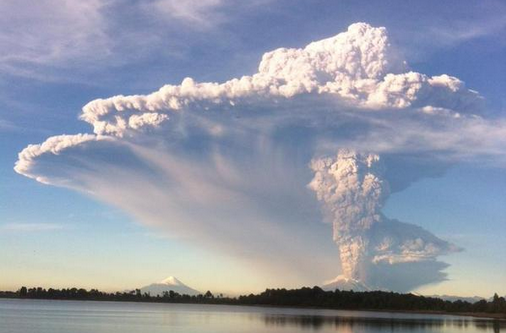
pixel 44 316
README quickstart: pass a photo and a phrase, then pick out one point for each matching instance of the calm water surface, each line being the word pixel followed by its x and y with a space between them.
pixel 41 316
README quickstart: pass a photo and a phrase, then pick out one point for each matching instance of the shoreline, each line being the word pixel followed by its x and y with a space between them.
pixel 483 315
pixel 477 315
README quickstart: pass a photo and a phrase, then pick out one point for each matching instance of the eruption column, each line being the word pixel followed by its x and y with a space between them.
pixel 353 192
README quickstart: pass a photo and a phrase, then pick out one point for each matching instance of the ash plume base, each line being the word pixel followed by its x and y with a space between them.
pixel 342 282
pixel 353 189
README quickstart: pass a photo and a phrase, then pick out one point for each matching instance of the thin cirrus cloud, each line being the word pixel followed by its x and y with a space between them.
pixel 64 40
pixel 30 227
pixel 251 166
pixel 48 32
pixel 489 22
pixel 7 126
pixel 45 37
pixel 200 14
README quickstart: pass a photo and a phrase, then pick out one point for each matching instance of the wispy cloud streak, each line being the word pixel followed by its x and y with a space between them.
pixel 30 227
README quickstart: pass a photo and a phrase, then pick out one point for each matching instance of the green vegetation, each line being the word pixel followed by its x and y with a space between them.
pixel 305 297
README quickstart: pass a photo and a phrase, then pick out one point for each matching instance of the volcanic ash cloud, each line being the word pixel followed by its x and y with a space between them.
pixel 224 166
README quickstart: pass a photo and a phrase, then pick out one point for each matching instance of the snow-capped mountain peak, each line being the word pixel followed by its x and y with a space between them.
pixel 168 284
pixel 172 281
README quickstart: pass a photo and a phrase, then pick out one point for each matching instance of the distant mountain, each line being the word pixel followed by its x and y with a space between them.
pixel 472 299
pixel 170 283
pixel 344 283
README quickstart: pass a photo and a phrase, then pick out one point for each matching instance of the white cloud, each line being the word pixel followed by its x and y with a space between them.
pixel 226 165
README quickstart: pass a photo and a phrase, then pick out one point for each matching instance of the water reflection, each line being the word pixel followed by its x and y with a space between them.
pixel 39 316
pixel 350 324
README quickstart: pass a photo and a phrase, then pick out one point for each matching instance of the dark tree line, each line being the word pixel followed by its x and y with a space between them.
pixel 369 300
pixel 96 295
pixel 304 297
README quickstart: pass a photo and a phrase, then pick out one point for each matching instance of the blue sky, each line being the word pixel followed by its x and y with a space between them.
pixel 54 59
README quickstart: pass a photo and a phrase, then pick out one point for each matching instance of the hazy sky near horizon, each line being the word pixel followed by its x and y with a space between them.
pixel 55 58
